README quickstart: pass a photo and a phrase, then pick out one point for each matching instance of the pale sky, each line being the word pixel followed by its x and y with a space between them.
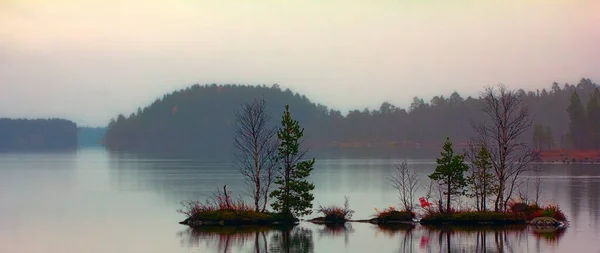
pixel 89 60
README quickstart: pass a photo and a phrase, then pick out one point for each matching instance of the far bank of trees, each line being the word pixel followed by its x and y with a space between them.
pixel 584 121
pixel 199 120
pixel 37 135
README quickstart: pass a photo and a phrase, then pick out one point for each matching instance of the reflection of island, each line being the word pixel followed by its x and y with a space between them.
pixel 336 230
pixel 550 234
pixel 226 238
pixel 404 229
pixel 461 238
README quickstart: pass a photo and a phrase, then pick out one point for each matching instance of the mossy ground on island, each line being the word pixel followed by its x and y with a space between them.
pixel 235 217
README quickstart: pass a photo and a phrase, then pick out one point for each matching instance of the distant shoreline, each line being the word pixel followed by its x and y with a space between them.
pixel 585 156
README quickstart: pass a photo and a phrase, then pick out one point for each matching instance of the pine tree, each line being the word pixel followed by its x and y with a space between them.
pixel 593 119
pixel 481 181
pixel 450 173
pixel 537 136
pixel 577 121
pixel 549 138
pixel 293 194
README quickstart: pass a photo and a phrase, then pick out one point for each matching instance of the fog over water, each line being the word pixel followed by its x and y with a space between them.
pixel 88 61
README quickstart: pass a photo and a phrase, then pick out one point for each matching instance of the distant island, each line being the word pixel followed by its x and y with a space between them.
pixel 37 135
pixel 197 120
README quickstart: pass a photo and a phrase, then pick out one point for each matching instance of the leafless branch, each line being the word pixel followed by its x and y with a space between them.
pixel 508 118
pixel 405 181
pixel 255 146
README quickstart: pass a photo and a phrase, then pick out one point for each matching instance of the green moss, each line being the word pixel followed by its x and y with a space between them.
pixel 470 218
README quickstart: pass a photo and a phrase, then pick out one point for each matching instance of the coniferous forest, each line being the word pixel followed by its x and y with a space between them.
pixel 37 135
pixel 198 120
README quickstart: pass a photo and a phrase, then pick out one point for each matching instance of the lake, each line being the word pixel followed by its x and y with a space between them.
pixel 93 201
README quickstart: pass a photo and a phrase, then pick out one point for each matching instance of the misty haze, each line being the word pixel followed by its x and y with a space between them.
pixel 299 126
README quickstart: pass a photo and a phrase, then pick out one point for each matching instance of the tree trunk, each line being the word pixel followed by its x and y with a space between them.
pixel 448 196
pixel 483 193
pixel 257 193
pixel 499 198
pixel 286 202
pixel 448 241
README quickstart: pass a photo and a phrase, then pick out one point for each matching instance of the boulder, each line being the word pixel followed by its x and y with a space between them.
pixel 545 221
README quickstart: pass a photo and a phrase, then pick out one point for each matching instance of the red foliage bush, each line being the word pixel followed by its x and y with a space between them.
pixel 391 214
pixel 533 211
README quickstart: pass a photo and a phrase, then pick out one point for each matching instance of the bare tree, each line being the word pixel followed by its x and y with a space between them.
pixel 537 184
pixel 508 118
pixel 406 182
pixel 255 147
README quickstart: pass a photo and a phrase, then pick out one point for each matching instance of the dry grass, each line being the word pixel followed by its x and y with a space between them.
pixel 221 201
pixel 337 214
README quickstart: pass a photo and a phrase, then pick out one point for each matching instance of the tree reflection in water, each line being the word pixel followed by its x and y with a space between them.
pixel 411 238
pixel 297 239
pixel 254 238
pixel 484 239
pixel 336 230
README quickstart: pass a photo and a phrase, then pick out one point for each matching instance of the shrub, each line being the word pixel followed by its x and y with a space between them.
pixel 390 214
pixel 193 207
pixel 221 201
pixel 533 211
pixel 335 213
pixel 551 211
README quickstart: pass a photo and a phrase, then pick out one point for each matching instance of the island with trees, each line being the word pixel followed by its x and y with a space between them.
pixel 265 158
pixel 37 135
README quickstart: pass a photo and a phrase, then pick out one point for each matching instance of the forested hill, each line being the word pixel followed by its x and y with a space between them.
pixel 37 135
pixel 198 120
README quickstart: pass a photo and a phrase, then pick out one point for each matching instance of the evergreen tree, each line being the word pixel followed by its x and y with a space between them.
pixel 577 121
pixel 537 136
pixel 450 173
pixel 549 138
pixel 481 181
pixel 293 194
pixel 593 119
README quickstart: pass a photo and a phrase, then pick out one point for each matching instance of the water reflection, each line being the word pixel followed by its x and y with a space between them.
pixel 250 238
pixel 549 234
pixel 488 239
pixel 336 230
pixel 573 187
pixel 473 239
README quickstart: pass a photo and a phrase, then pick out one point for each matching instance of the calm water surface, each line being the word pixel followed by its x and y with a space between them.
pixel 90 201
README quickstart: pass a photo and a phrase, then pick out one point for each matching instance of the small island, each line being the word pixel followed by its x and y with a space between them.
pixel 265 156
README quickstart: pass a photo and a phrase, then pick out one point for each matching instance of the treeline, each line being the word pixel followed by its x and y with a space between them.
pixel 584 122
pixel 198 119
pixel 37 135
